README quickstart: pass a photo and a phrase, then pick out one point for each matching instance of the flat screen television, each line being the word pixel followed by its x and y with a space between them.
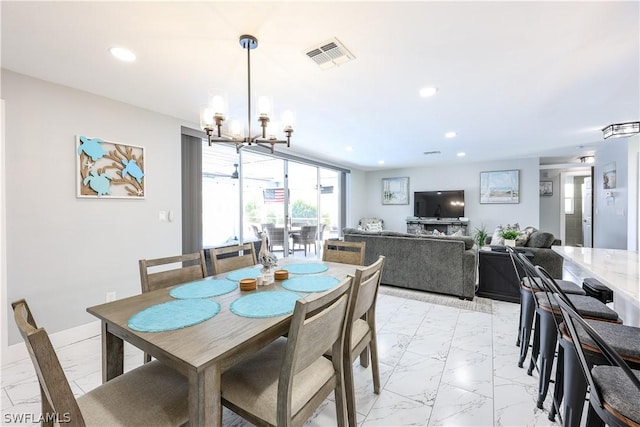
pixel 438 204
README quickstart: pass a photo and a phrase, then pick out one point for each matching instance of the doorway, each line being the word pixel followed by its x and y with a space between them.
pixel 576 207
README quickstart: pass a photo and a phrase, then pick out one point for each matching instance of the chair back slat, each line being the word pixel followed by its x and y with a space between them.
pixel 56 393
pixel 317 326
pixel 367 283
pixel 173 270
pixel 344 252
pixel 232 258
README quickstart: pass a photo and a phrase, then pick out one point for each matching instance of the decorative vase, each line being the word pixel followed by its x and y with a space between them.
pixel 510 242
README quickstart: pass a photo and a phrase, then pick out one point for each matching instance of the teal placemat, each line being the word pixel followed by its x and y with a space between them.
pixel 245 273
pixel 173 315
pixel 306 268
pixel 203 289
pixel 310 283
pixel 265 304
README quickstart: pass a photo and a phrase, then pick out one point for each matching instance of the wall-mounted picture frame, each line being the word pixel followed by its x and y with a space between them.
pixel 109 170
pixel 395 191
pixel 609 176
pixel 546 188
pixel 500 186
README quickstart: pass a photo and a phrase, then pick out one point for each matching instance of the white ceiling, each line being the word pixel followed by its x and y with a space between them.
pixel 515 79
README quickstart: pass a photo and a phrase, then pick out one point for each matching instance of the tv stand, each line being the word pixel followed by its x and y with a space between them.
pixel 443 225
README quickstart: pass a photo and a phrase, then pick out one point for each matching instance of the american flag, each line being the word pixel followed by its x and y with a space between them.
pixel 273 195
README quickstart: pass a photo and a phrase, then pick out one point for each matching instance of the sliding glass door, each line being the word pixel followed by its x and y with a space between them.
pixel 248 192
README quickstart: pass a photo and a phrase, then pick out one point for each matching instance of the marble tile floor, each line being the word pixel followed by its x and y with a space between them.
pixel 439 366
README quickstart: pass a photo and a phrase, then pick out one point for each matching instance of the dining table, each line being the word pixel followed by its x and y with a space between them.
pixel 213 342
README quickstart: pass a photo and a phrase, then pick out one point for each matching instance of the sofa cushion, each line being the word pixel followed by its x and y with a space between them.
pixel 467 240
pixel 540 239
pixel 358 231
pixel 397 234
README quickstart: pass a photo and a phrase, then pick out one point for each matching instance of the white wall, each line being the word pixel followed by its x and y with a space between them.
pixel 550 205
pixel 463 177
pixel 633 219
pixel 63 253
pixel 611 214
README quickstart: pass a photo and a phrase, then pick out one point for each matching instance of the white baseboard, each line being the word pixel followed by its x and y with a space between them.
pixel 16 352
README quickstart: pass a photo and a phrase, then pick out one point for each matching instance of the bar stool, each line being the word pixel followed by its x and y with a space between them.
pixel 548 318
pixel 570 382
pixel 529 285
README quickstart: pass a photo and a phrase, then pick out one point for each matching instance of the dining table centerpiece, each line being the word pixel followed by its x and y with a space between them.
pixel 268 260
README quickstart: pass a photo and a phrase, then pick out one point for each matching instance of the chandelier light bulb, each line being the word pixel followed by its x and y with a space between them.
pixel 264 106
pixel 217 105
pixel 288 120
pixel 206 117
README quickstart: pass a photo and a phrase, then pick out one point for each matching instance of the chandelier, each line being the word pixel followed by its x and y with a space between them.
pixel 212 116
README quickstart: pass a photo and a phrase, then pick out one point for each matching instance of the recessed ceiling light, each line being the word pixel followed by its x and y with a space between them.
pixel 381 162
pixel 461 154
pixel 426 92
pixel 348 148
pixel 123 54
pixel 450 135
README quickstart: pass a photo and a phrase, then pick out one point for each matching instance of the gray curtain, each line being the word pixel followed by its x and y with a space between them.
pixel 191 193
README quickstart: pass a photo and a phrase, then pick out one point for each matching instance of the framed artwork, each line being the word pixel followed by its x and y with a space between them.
pixel 395 191
pixel 109 169
pixel 546 188
pixel 609 176
pixel 500 186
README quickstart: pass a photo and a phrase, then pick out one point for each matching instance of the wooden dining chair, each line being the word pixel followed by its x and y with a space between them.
pixel 285 382
pixel 361 338
pixel 151 395
pixel 231 258
pixel 344 252
pixel 169 271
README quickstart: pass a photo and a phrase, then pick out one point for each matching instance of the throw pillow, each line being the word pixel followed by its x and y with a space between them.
pixel 540 239
pixel 374 226
pixel 524 236
pixel 496 238
pixel 458 233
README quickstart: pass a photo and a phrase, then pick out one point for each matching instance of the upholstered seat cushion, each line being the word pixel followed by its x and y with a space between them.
pixel 586 306
pixel 624 339
pixel 567 286
pixel 151 395
pixel 617 390
pixel 253 383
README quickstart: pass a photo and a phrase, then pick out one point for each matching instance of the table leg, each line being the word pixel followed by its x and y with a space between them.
pixel 205 405
pixel 112 355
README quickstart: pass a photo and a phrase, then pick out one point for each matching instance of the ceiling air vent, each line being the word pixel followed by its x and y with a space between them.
pixel 428 153
pixel 329 54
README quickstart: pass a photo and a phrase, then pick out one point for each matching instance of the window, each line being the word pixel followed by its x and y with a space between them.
pixel 569 195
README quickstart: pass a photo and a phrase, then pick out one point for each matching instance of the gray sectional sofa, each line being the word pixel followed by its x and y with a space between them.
pixel 444 265
pixel 539 244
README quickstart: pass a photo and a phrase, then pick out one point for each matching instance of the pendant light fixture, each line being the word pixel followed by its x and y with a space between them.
pixel 212 116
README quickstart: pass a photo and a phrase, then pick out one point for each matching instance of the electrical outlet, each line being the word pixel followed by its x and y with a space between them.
pixel 111 296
